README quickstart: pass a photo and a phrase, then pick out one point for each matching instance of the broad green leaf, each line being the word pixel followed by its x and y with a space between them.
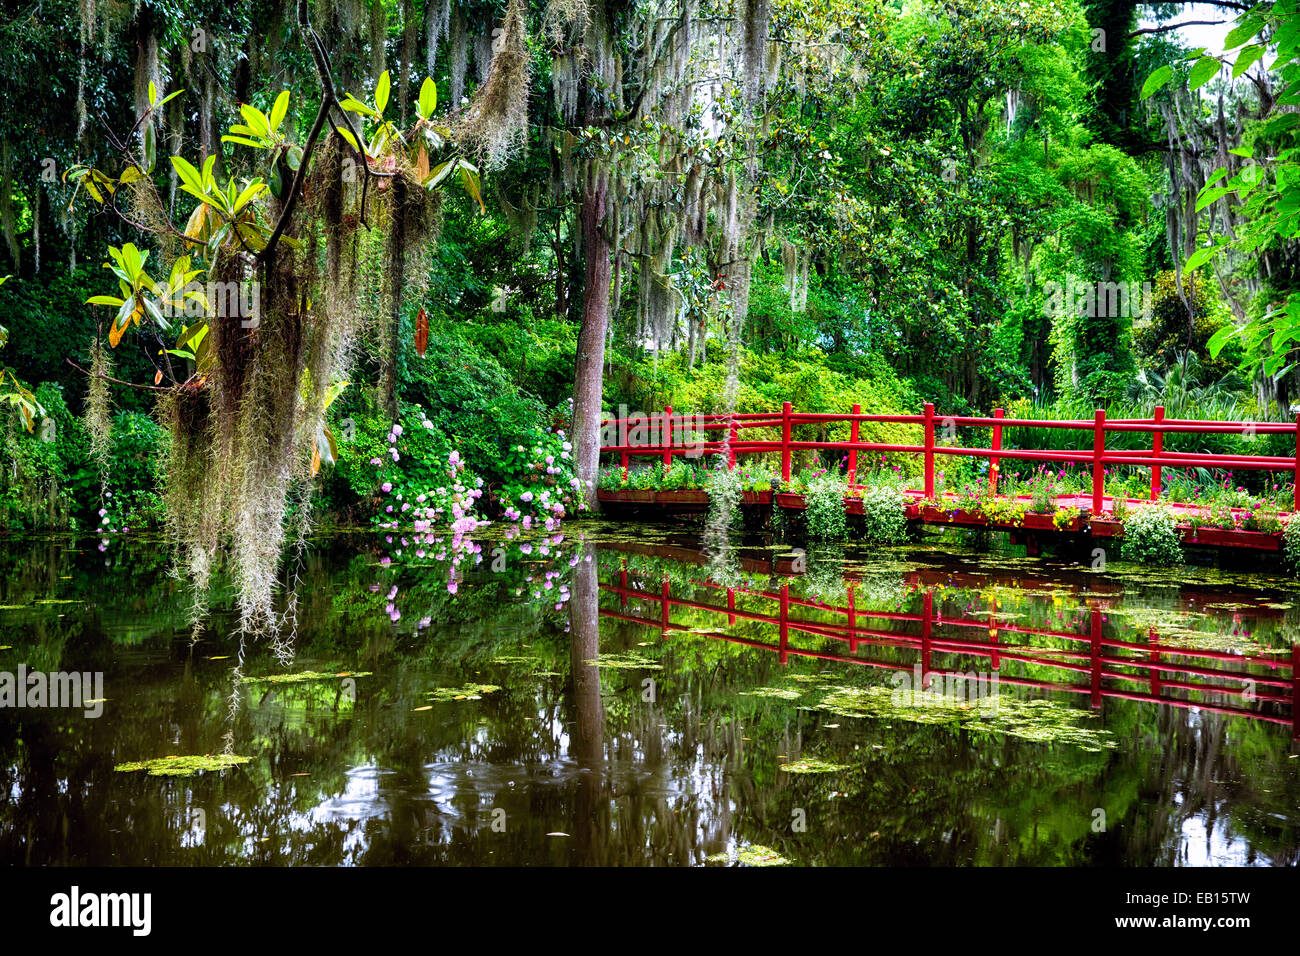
pixel 1209 196
pixel 381 92
pixel 190 176
pixel 428 98
pixel 348 137
pixel 1156 80
pixel 1199 258
pixel 1203 70
pixel 279 110
pixel 1244 31
pixel 1247 58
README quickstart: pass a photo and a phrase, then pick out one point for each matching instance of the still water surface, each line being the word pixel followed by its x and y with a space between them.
pixel 601 699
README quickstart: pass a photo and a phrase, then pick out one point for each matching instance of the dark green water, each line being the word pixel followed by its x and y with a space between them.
pixel 678 745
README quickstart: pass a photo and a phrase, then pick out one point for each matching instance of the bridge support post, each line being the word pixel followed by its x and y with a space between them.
pixel 1297 463
pixel 785 442
pixel 1098 468
pixel 733 433
pixel 1095 635
pixel 996 445
pixel 853 452
pixel 784 654
pixel 666 437
pixel 927 625
pixel 853 619
pixel 1157 446
pixel 929 450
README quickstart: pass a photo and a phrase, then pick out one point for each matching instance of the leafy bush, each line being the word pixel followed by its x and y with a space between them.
pixel 1151 536
pixel 825 515
pixel 540 482
pixel 884 516
pixel 1291 542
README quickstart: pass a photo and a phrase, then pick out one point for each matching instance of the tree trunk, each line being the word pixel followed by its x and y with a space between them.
pixel 587 378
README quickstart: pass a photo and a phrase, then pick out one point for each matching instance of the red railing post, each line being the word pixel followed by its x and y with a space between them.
pixel 731 605
pixel 1095 635
pixel 1157 446
pixel 997 446
pixel 853 452
pixel 733 434
pixel 1098 450
pixel 785 441
pixel 853 619
pixel 995 659
pixel 784 656
pixel 1297 463
pixel 929 450
pixel 666 601
pixel 1295 690
pixel 927 618
pixel 666 436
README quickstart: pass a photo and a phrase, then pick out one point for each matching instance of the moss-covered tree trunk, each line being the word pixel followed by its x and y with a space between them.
pixel 592 333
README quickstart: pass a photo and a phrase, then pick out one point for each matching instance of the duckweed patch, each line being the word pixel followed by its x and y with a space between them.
pixel 468 692
pixel 813 765
pixel 177 766
pixel 625 662
pixel 752 855
pixel 301 677
pixel 1038 719
pixel 780 693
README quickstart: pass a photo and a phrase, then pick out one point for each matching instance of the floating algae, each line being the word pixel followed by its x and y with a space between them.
pixel 301 677
pixel 781 693
pixel 468 692
pixel 175 766
pixel 625 662
pixel 1038 720
pixel 752 855
pixel 813 765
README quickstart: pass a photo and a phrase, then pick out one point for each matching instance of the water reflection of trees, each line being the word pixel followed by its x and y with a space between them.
pixel 569 747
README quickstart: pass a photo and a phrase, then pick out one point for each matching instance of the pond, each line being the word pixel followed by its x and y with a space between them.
pixel 609 697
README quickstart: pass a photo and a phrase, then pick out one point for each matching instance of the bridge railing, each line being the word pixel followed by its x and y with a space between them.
pixel 667 434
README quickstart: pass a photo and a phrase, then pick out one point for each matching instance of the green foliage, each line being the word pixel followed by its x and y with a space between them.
pixel 1291 543
pixel 825 515
pixel 884 516
pixel 1151 537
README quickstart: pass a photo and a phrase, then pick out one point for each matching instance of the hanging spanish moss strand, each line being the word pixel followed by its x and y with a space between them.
pixel 495 123
pixel 459 57
pixel 437 19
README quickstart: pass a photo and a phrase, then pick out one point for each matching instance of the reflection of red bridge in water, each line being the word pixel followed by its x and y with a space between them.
pixel 1111 667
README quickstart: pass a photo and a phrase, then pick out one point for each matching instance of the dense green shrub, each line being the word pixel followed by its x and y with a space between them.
pixel 1291 543
pixel 884 516
pixel 825 515
pixel 1151 536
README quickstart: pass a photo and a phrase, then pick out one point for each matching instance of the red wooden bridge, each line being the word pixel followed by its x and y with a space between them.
pixel 1094 662
pixel 665 435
